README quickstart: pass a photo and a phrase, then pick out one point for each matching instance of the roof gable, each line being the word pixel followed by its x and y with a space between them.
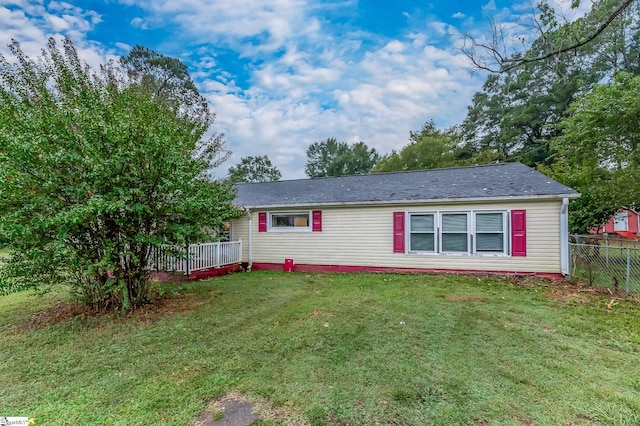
pixel 504 180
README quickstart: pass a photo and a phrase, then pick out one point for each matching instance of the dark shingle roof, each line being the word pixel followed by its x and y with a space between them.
pixel 502 180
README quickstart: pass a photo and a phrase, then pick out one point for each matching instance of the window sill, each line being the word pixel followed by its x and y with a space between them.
pixel 289 230
pixel 415 253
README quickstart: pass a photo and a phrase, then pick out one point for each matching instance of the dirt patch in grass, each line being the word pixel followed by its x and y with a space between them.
pixel 60 311
pixel 236 409
pixel 229 411
pixel 524 280
pixel 464 298
pixel 585 418
pixel 565 291
pixel 160 307
pixel 569 298
pixel 578 294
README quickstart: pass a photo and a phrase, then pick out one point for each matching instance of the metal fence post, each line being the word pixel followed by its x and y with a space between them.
pixel 628 269
pixel 570 262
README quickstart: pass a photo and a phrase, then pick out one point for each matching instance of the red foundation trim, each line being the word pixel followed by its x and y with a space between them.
pixel 195 275
pixel 259 266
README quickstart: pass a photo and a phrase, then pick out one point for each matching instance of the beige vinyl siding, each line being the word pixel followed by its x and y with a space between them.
pixel 240 231
pixel 363 236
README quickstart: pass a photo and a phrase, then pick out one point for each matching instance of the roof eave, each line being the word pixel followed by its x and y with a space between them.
pixel 405 202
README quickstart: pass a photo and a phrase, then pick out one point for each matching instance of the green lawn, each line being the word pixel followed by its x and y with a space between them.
pixel 335 349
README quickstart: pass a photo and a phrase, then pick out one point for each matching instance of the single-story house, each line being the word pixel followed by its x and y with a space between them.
pixel 498 218
pixel 625 223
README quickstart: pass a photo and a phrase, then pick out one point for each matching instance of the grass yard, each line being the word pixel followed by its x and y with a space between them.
pixel 336 349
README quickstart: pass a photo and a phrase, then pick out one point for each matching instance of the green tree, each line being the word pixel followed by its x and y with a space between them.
pixel 254 169
pixel 495 55
pixel 95 170
pixel 598 152
pixel 517 112
pixel 429 148
pixel 333 158
pixel 515 115
pixel 165 77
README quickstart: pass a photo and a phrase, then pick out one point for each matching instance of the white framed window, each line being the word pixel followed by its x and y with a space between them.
pixel 422 230
pixel 454 235
pixel 621 221
pixel 490 232
pixel 474 232
pixel 298 221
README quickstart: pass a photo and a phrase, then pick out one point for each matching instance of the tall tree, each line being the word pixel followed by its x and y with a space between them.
pixel 95 170
pixel 168 79
pixel 333 158
pixel 598 152
pixel 495 54
pixel 254 169
pixel 514 117
pixel 516 114
pixel 164 76
pixel 428 148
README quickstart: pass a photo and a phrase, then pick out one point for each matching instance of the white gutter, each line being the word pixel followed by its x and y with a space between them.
pixel 429 201
pixel 564 236
pixel 250 248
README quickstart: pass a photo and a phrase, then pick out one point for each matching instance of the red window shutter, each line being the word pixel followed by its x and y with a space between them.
pixel 518 233
pixel 316 221
pixel 398 232
pixel 262 222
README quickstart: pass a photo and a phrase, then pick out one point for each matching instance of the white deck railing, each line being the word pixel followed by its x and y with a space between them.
pixel 200 256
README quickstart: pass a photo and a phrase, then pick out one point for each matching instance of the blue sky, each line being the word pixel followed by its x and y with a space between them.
pixel 282 74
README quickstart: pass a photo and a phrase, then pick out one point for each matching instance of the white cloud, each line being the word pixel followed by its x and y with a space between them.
pixel 458 15
pixel 378 99
pixel 306 79
pixel 231 22
pixel 59 24
pixel 489 7
pixel 138 22
pixel 33 23
pixel 124 47
pixel 394 46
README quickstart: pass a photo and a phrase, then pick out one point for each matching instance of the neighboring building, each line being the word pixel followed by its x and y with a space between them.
pixel 501 218
pixel 625 223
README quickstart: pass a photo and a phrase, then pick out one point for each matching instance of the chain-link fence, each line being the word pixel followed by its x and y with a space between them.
pixel 611 240
pixel 608 266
